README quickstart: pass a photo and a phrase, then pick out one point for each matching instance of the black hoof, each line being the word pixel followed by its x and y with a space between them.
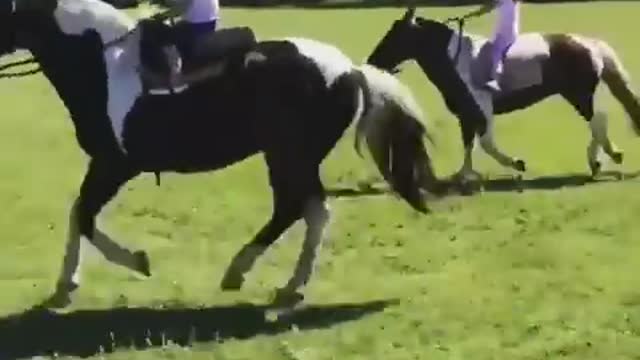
pixel 232 282
pixel 595 166
pixel 287 299
pixel 520 165
pixel 144 266
pixel 617 157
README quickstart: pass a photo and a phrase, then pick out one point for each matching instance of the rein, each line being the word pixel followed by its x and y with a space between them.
pixel 19 73
pixel 460 21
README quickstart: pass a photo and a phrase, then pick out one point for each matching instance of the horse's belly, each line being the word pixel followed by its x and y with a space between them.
pixel 171 137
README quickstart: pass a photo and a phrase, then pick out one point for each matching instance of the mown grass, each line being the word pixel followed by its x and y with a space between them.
pixel 543 274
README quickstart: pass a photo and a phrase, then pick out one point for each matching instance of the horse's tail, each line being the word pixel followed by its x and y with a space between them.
pixel 618 81
pixel 390 124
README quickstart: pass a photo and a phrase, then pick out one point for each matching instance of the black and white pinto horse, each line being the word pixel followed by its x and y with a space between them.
pixel 290 100
pixel 535 67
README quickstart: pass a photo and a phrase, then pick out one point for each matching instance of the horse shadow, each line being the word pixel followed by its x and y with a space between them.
pixel 555 182
pixel 497 185
pixel 84 333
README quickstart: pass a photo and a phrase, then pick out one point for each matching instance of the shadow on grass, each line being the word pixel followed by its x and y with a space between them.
pixel 501 185
pixel 553 182
pixel 90 332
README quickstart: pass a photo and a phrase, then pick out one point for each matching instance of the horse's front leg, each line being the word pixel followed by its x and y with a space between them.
pixel 467 174
pixel 488 144
pixel 100 185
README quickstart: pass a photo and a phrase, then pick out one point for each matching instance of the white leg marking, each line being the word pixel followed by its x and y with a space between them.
pixel 70 276
pixel 593 151
pixel 316 216
pixel 599 125
pixel 488 144
pixel 599 131
pixel 113 252
pixel 466 172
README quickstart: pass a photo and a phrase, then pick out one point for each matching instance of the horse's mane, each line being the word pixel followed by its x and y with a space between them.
pixel 422 22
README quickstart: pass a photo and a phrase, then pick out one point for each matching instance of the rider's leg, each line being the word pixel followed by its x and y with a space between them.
pixel 507 29
pixel 188 36
pixel 499 48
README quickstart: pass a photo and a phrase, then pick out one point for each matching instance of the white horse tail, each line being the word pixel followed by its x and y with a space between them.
pixel 619 83
pixel 391 125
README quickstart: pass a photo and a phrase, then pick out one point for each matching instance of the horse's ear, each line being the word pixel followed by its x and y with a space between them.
pixel 410 13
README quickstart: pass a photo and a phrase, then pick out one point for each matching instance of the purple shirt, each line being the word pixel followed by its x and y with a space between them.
pixel 202 11
pixel 508 20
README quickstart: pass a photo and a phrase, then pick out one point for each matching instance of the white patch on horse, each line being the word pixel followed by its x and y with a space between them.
pixel 523 62
pixel 464 60
pixel 75 17
pixel 78 16
pixel 331 61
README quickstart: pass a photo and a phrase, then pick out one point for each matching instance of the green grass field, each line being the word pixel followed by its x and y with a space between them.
pixel 544 274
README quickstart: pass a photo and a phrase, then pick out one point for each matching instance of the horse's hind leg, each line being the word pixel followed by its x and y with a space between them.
pixel 599 125
pixel 285 213
pixel 287 208
pixel 100 184
pixel 316 216
pixel 590 108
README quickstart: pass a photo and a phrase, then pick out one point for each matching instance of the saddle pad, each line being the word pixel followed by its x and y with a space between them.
pixel 522 65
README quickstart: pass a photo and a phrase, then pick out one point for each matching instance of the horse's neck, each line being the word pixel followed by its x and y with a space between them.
pixel 441 72
pixel 78 79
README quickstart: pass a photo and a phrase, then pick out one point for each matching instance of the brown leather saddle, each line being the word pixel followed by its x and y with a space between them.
pixel 215 49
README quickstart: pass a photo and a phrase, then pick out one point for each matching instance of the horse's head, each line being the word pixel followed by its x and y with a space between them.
pixel 20 19
pixel 408 38
pixel 397 45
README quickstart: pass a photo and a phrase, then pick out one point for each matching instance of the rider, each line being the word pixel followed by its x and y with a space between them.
pixel 199 17
pixel 506 31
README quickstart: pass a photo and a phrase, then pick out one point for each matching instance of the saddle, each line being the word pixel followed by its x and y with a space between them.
pixel 522 64
pixel 210 56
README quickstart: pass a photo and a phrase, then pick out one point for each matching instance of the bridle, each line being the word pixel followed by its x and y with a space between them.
pixel 460 21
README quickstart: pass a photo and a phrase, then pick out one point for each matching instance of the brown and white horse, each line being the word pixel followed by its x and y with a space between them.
pixel 535 67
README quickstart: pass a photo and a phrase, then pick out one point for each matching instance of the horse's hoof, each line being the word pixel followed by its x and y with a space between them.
pixel 144 266
pixel 59 300
pixel 468 188
pixel 617 157
pixel 286 298
pixel 520 165
pixel 232 282
pixel 519 181
pixel 595 166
